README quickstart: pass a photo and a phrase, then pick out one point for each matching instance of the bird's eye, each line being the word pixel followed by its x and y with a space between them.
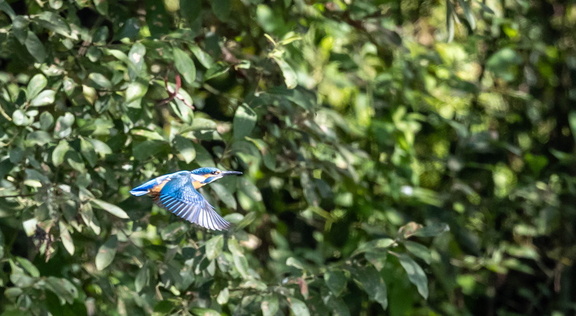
pixel 215 172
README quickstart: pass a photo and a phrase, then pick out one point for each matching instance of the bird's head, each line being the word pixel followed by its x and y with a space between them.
pixel 203 176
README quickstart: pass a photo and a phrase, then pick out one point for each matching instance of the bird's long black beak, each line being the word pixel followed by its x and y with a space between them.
pixel 229 173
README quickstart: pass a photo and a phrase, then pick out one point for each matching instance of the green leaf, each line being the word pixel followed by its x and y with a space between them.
pixel 66 238
pixel 110 208
pixel 418 250
pixel 185 65
pixel 371 281
pixel 148 148
pixel 336 281
pixel 290 78
pixel 35 85
pixel 465 5
pixel 432 230
pixel 298 307
pixel 185 147
pixel 35 47
pixel 64 289
pixel 415 274
pixel 46 120
pixel 87 150
pixel 244 121
pixel 45 97
pixel 223 296
pixel 214 247
pixel 28 266
pixel 55 23
pixel 136 90
pixel 142 278
pixel 191 10
pixel 99 81
pixel 74 159
pixel 6 8
pixel 269 305
pixel 216 70
pixel 572 123
pixel 224 194
pixel 136 57
pixel 60 152
pixel 100 147
pixel 450 20
pixel 238 257
pixel 293 262
pixel 106 253
pixel 19 118
pixel 221 9
pixel 203 57
pixel 63 126
pixel 101 6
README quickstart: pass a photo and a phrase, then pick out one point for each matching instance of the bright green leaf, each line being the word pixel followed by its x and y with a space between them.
pixel 66 238
pixel 298 307
pixel 214 247
pixel 60 152
pixel 35 85
pixel 45 97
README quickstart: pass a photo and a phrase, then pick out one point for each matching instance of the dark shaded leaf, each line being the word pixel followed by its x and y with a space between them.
pixel 415 274
pixel 106 253
pixel 371 281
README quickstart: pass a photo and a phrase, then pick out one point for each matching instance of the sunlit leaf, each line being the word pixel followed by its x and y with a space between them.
pixel 298 307
pixel 269 305
pixel 66 238
pixel 45 97
pixel 35 85
pixel 59 152
pixel 214 247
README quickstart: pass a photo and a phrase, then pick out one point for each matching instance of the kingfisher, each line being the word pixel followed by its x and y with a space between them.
pixel 178 193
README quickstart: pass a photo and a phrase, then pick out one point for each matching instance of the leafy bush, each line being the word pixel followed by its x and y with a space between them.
pixel 394 161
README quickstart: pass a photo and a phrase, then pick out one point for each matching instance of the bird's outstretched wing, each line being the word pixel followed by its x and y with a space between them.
pixel 179 197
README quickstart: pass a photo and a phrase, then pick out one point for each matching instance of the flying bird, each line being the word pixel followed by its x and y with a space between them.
pixel 178 193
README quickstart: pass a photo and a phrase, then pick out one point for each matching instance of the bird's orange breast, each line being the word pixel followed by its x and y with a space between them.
pixel 197 184
pixel 155 190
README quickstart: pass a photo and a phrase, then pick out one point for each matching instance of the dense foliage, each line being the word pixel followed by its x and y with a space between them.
pixel 399 157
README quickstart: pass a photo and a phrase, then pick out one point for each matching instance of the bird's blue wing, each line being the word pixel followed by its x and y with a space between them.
pixel 145 188
pixel 179 197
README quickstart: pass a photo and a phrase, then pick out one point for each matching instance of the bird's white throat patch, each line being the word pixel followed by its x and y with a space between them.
pixel 198 178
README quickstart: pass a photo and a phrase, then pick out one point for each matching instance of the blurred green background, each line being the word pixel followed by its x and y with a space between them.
pixel 399 157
